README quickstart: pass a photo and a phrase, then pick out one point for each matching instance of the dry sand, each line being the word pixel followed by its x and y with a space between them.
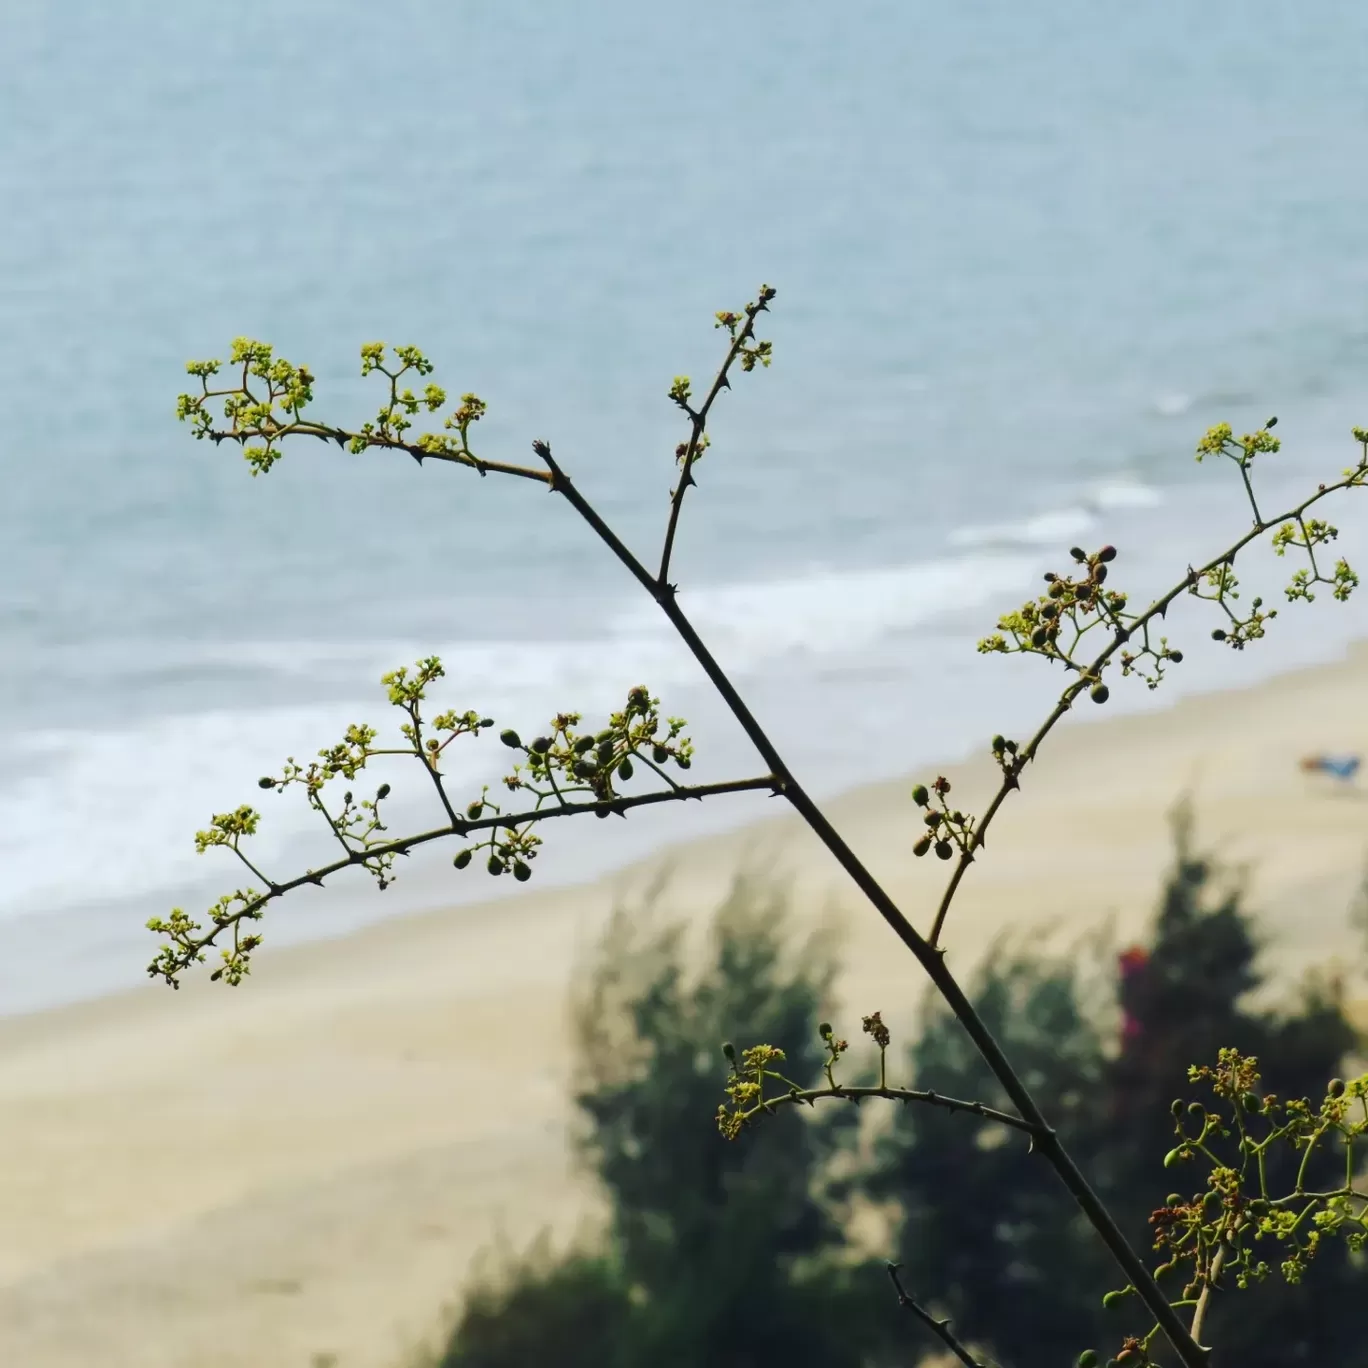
pixel 305 1166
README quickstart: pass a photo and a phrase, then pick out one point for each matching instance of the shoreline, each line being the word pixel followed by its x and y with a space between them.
pixel 306 1164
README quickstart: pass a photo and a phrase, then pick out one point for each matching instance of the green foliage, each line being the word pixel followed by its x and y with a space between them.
pixel 566 1311
pixel 715 1254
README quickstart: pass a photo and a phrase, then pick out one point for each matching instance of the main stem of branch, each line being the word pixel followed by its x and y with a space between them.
pixel 930 958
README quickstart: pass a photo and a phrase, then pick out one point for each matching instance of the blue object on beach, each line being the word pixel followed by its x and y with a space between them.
pixel 1341 766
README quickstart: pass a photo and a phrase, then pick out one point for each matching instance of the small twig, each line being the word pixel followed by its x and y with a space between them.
pixel 842 1092
pixel 939 1328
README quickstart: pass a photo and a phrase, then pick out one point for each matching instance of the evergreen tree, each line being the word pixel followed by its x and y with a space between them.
pixel 718 1254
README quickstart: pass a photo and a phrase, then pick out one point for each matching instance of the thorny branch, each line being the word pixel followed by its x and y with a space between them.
pixel 265 408
pixel 939 1328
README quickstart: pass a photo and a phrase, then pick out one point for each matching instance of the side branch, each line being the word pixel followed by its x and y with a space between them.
pixel 188 947
pixel 857 1094
pixel 741 334
pixel 1092 673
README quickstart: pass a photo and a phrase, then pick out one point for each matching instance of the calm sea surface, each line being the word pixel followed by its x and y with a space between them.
pixel 1025 254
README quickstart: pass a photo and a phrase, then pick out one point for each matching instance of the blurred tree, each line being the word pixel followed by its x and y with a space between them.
pixel 717 1254
pixel 987 1233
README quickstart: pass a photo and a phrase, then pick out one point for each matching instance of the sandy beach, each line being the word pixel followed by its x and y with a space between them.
pixel 298 1172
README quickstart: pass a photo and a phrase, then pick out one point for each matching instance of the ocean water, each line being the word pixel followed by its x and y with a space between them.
pixel 1025 255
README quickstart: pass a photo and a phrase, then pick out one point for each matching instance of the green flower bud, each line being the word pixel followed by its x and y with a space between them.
pixel 729 1052
pixel 461 859
pixel 1176 1107
pixel 1113 1298
pixel 921 795
pixel 1335 1088
pixel 1056 589
pixel 540 745
pixel 475 810
pixel 999 744
pixel 346 798
pixel 1174 1199
pixel 1087 1359
pixel 382 792
pixel 1173 1157
pixel 824 1029
pixel 486 721
pixel 510 738
pixel 1078 554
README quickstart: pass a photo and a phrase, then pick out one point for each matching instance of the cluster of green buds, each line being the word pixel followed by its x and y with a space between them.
pixel 947 829
pixel 745 1088
pixel 1230 1227
pixel 1056 622
pixel 267 405
pixel 565 761
pixel 740 327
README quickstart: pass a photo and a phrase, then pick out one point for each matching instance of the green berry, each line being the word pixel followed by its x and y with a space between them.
pixel 510 738
pixel 461 859
pixel 921 795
